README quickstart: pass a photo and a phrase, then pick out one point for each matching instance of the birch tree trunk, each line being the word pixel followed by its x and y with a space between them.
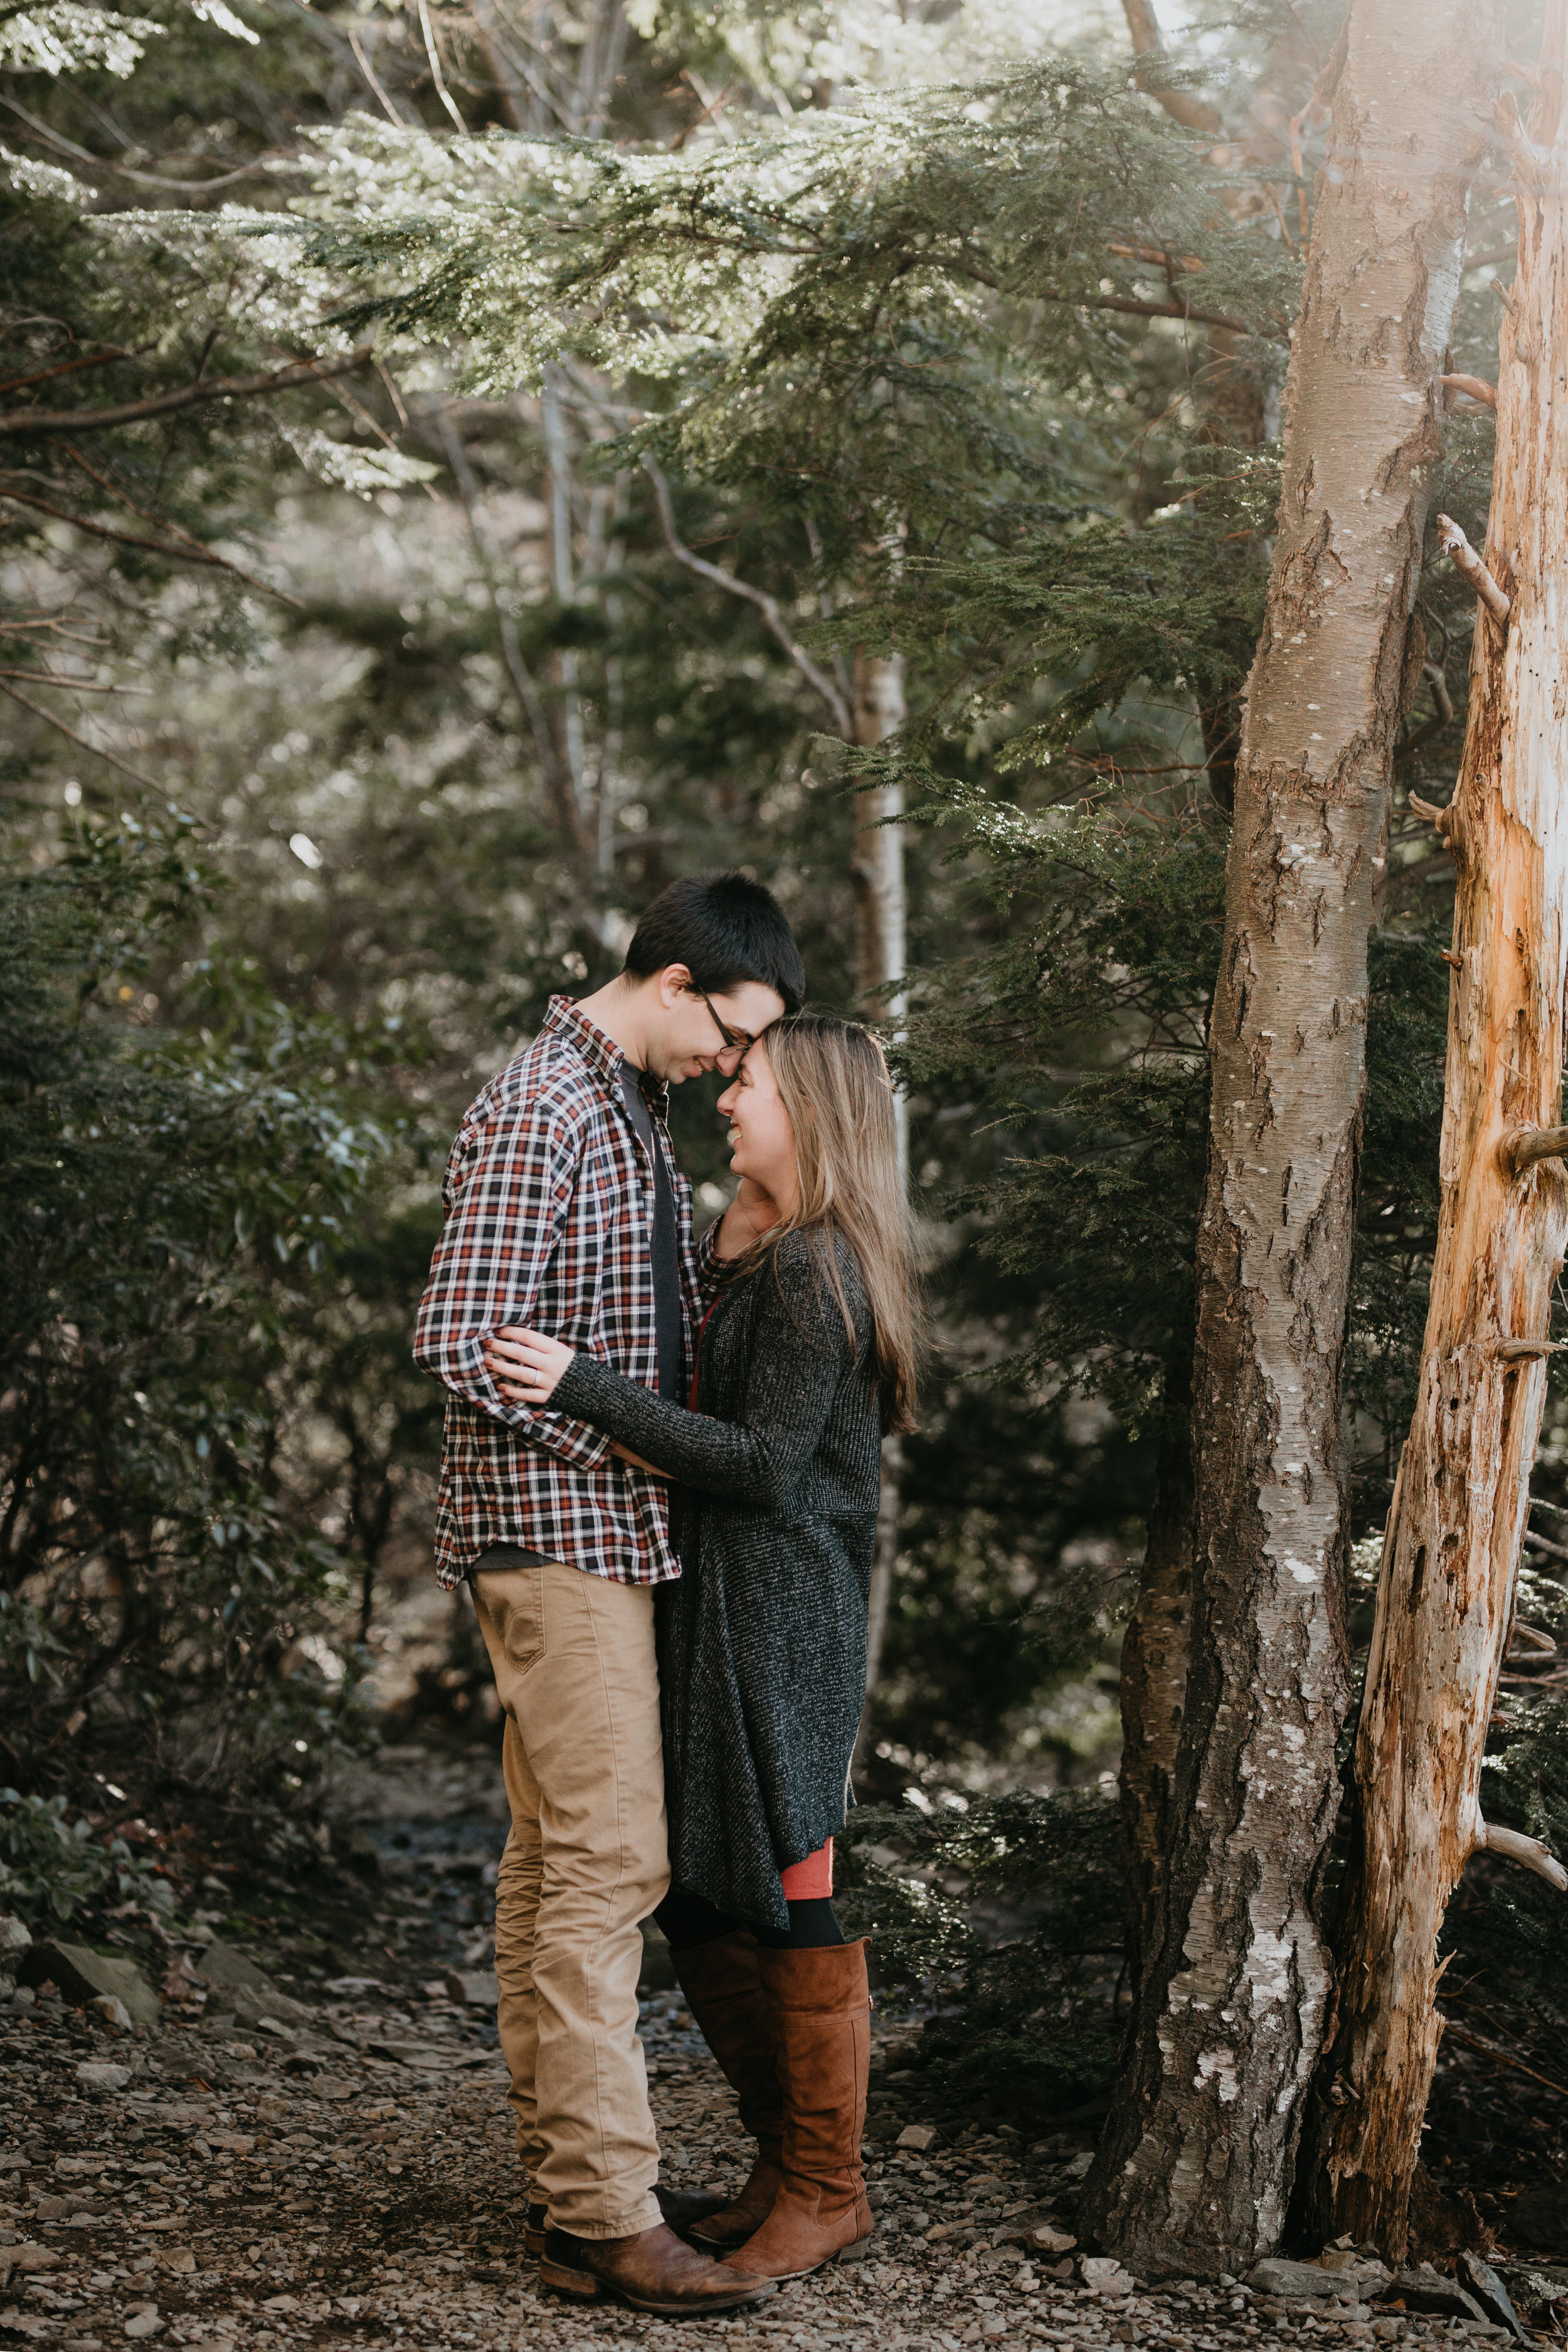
pixel 1196 2168
pixel 1445 1593
pixel 882 944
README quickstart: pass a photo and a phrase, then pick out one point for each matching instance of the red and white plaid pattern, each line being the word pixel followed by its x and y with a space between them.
pixel 549 1222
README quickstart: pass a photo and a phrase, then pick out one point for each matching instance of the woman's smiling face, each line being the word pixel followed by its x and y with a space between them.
pixel 761 1139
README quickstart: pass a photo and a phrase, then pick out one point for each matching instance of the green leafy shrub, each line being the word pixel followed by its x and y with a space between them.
pixel 1010 1916
pixel 164 1201
pixel 51 1866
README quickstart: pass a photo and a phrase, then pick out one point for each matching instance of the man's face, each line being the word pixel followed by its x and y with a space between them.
pixel 693 1034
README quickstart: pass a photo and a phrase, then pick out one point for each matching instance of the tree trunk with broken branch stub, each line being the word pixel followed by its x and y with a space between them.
pixel 1196 2169
pixel 1450 1564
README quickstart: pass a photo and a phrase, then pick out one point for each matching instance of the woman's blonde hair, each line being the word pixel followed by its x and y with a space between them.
pixel 833 1078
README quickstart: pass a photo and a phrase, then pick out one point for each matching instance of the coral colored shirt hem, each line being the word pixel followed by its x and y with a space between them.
pixel 810 1880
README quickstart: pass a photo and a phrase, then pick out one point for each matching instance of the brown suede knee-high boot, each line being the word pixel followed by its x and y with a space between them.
pixel 821 2008
pixel 724 1993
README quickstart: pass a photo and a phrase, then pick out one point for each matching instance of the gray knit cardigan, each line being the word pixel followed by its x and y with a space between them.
pixel 763 1640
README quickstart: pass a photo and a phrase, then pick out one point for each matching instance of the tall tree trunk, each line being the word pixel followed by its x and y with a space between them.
pixel 1446 1595
pixel 882 944
pixel 1152 1680
pixel 1195 2171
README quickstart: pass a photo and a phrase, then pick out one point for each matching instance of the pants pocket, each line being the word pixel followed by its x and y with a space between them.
pixel 514 1598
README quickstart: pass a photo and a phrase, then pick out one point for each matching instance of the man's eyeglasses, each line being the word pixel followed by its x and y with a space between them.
pixel 736 1041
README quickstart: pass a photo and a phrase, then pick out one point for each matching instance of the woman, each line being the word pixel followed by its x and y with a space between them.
pixel 805 1356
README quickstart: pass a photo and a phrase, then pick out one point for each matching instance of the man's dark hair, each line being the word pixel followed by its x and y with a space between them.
pixel 726 928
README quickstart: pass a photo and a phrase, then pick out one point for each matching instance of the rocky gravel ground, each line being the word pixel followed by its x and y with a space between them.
pixel 299 2138
pixel 270 2173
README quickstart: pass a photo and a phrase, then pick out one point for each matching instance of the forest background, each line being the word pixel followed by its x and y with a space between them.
pixel 464 467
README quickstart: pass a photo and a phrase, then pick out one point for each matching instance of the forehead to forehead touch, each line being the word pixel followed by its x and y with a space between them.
pixel 750 1008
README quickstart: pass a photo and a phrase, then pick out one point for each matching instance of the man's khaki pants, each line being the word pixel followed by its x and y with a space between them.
pixel 586 1860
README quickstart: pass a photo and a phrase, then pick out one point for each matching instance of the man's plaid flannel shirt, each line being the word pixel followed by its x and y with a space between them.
pixel 549 1196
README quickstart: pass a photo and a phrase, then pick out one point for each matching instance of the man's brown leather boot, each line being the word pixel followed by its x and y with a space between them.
pixel 821 2008
pixel 724 1991
pixel 651 2271
pixel 681 2209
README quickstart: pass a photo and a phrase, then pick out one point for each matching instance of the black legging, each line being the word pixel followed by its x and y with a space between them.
pixel 686 1920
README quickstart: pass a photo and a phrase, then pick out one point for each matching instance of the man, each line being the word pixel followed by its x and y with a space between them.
pixel 566 1211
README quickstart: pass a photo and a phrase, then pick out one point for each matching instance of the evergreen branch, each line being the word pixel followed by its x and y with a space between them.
pixel 193 545
pixel 122 170
pixel 165 403
pixel 80 741
pixel 70 367
pixel 77 684
pixel 766 606
pixel 193 553
pixel 1159 311
pixel 968 268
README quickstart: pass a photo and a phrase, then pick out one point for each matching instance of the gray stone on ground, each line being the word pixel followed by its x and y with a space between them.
pixel 102 2074
pixel 476 1987
pixel 80 1975
pixel 918 2137
pixel 1302 2282
pixel 240 1988
pixel 1490 2293
pixel 1422 2288
pixel 1035 2232
pixel 248 2008
pixel 15 1939
pixel 222 1964
pixel 1103 2274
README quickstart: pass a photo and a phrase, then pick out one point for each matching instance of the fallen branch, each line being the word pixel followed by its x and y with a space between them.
pixel 1468 562
pixel 165 404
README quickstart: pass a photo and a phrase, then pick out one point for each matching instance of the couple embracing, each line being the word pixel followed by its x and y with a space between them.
pixel 660 1479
